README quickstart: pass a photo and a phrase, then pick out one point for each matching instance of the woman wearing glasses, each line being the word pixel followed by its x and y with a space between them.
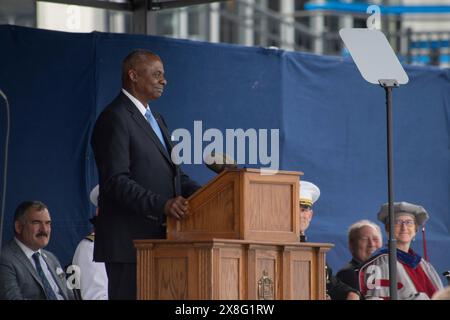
pixel 416 277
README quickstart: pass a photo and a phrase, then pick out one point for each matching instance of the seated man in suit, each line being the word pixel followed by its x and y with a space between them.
pixel 364 238
pixel 336 289
pixel 26 270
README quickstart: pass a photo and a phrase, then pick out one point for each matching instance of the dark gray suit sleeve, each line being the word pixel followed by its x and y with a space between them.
pixel 110 143
pixel 9 286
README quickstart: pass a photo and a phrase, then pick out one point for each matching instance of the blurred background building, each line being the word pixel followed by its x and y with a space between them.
pixel 419 30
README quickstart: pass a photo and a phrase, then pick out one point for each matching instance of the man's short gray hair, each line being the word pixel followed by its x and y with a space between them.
pixel 134 58
pixel 353 230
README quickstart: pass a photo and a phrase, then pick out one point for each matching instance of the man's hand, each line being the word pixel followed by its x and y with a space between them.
pixel 177 208
pixel 353 296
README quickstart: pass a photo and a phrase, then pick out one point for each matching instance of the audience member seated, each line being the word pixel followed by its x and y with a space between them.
pixel 364 238
pixel 27 271
pixel 416 277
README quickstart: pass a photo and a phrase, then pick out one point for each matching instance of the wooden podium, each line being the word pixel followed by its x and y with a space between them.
pixel 240 241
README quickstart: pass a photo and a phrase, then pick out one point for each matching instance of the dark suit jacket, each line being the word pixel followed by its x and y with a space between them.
pixel 136 177
pixel 349 274
pixel 337 289
pixel 19 279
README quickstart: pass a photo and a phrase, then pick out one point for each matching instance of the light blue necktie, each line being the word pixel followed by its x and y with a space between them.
pixel 151 119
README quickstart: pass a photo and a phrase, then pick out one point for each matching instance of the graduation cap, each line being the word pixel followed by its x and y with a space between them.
pixel 419 213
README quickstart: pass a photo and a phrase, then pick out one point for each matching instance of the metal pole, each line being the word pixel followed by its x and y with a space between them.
pixel 392 241
pixel 5 167
pixel 140 18
pixel 287 29
pixel 214 22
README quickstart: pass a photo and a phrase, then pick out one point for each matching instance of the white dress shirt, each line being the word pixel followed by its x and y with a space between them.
pixel 142 109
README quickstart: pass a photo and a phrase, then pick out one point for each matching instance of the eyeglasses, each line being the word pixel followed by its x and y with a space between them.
pixel 408 223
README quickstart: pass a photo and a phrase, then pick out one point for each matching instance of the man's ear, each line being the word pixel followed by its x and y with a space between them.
pixel 132 75
pixel 312 213
pixel 18 227
pixel 350 248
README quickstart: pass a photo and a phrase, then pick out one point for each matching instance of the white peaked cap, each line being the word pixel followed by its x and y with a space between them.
pixel 94 196
pixel 309 193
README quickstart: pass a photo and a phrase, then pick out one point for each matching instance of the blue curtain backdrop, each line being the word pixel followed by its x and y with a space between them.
pixel 332 126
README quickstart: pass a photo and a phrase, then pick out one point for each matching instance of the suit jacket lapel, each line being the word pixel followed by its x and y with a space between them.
pixel 52 267
pixel 26 262
pixel 142 122
pixel 169 144
pixel 164 131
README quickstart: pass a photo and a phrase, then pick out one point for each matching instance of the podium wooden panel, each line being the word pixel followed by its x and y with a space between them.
pixel 242 204
pixel 230 269
pixel 240 241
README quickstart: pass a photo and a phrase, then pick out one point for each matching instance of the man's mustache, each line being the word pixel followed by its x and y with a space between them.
pixel 42 234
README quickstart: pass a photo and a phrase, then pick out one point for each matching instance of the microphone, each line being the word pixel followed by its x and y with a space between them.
pixel 219 162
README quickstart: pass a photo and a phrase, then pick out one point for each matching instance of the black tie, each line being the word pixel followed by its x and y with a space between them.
pixel 47 287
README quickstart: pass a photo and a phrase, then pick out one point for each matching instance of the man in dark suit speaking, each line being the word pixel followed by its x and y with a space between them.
pixel 139 183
